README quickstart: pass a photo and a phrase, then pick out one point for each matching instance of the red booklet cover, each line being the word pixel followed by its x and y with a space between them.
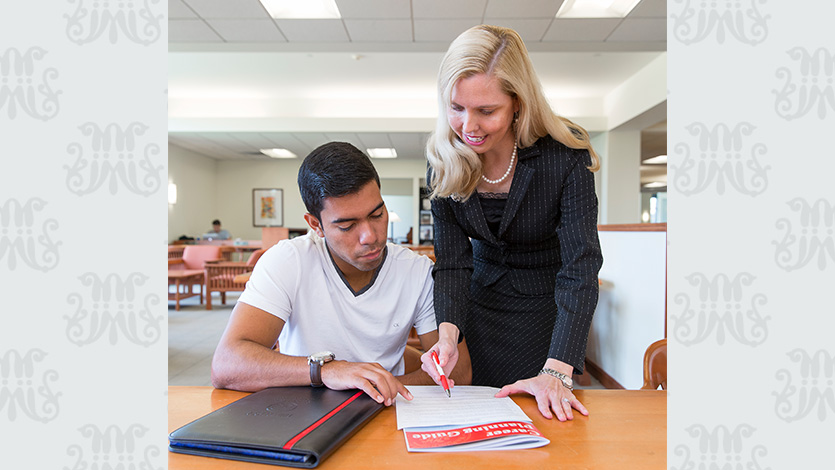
pixel 504 435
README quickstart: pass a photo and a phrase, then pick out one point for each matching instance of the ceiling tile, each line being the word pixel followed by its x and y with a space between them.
pixel 445 9
pixel 412 139
pixel 191 31
pixel 442 30
pixel 349 137
pixel 178 10
pixel 228 141
pixel 254 140
pixel 247 30
pixel 228 9
pixel 280 139
pixel 366 9
pixel 379 30
pixel 311 139
pixel 543 9
pixel 531 30
pixel 640 29
pixel 409 145
pixel 597 29
pixel 650 8
pixel 371 140
pixel 313 30
pixel 287 140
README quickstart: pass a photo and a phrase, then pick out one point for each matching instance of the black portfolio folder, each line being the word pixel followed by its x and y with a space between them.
pixel 291 426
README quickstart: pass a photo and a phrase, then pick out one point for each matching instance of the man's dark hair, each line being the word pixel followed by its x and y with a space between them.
pixel 334 169
pixel 215 222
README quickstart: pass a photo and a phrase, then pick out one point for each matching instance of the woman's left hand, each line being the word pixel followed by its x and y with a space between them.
pixel 550 395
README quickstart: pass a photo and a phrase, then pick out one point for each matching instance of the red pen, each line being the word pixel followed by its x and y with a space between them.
pixel 444 383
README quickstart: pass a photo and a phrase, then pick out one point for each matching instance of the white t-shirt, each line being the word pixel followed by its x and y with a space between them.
pixel 297 281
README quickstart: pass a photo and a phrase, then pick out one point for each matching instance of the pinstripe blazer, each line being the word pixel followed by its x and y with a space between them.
pixel 546 243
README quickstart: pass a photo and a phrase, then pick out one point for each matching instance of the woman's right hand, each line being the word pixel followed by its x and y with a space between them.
pixel 447 350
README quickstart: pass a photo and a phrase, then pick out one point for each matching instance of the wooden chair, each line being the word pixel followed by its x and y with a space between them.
pixel 655 366
pixel 411 358
pixel 220 276
pixel 413 339
pixel 176 251
pixel 187 272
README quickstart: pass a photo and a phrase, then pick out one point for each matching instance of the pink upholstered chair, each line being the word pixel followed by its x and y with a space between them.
pixel 220 276
pixel 187 272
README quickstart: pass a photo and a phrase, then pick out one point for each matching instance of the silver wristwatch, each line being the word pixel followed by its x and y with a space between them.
pixel 566 380
pixel 316 361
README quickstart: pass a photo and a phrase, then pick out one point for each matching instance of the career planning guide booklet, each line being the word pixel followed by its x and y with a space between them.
pixel 473 419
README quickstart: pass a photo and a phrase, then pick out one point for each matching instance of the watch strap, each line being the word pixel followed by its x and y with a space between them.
pixel 315 373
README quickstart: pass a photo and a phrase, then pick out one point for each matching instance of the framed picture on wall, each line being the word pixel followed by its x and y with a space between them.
pixel 267 207
pixel 425 217
pixel 426 232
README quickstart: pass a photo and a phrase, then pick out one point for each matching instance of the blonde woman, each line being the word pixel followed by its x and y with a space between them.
pixel 515 224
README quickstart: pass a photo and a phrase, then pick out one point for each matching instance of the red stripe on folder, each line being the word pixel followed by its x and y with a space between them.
pixel 313 426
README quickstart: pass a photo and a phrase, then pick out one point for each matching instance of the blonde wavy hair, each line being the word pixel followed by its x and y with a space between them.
pixel 500 52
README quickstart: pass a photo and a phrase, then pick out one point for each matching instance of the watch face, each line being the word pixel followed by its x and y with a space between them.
pixel 322 356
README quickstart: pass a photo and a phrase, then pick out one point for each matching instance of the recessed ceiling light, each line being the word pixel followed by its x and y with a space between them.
pixel 382 153
pixel 278 153
pixel 655 184
pixel 302 9
pixel 596 8
pixel 659 160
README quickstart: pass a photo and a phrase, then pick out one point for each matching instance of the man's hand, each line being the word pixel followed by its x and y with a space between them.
pixel 369 377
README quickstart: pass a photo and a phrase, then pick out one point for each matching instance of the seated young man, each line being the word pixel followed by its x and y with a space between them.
pixel 334 307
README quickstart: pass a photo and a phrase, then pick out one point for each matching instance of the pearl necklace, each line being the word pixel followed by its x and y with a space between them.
pixel 506 173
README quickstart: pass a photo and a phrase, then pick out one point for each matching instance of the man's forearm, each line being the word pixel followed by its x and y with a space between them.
pixel 249 366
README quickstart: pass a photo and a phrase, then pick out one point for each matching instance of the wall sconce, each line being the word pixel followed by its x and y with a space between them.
pixel 172 193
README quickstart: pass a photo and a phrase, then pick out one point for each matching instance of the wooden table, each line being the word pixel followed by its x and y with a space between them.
pixel 187 279
pixel 626 429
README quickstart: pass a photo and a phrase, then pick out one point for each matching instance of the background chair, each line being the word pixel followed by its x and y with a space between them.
pixel 655 366
pixel 187 272
pixel 220 276
pixel 175 251
pixel 411 359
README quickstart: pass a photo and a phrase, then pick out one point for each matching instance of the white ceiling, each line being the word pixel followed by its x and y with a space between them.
pixel 240 81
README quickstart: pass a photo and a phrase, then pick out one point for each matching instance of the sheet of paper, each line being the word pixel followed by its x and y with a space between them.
pixel 469 404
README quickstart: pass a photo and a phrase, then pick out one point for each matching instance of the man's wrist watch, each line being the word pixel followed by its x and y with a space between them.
pixel 566 380
pixel 316 361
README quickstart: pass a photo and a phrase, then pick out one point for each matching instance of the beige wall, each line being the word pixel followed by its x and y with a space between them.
pixel 210 189
pixel 196 180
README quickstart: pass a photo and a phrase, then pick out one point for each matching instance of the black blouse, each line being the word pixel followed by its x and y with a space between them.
pixel 492 204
